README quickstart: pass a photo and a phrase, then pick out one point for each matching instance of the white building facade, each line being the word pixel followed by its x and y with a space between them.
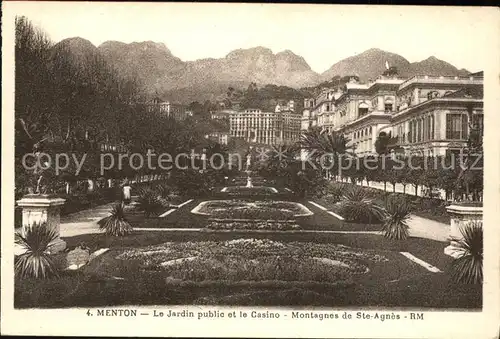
pixel 427 114
pixel 268 128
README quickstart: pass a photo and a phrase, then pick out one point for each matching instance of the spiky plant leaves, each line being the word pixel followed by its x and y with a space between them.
pixel 35 262
pixel 468 267
pixel 116 223
pixel 335 191
pixel 149 202
pixel 164 191
pixel 357 206
pixel 395 222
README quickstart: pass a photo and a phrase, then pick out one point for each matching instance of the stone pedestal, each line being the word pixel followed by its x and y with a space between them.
pixel 460 216
pixel 38 209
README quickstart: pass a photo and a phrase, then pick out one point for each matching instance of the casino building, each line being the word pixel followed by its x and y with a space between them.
pixel 427 114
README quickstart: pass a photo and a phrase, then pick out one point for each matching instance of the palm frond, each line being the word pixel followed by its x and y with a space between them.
pixel 164 190
pixel 35 262
pixel 149 202
pixel 357 206
pixel 116 223
pixel 396 217
pixel 468 267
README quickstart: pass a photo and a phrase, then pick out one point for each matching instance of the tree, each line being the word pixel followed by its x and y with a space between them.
pixel 385 143
pixel 326 146
pixel 472 178
pixel 67 103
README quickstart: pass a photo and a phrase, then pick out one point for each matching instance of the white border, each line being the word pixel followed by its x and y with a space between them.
pixel 440 324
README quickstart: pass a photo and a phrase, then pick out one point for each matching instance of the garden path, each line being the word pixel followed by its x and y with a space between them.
pixel 84 222
pixel 429 229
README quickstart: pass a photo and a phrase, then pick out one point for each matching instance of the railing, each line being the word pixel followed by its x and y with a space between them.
pixel 443 79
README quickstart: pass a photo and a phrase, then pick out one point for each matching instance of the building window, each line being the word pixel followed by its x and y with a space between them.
pixel 414 131
pixel 478 122
pixel 456 126
pixel 419 130
pixel 388 107
pixel 362 111
pixel 432 128
pixel 424 128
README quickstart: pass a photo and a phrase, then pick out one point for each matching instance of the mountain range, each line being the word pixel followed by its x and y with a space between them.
pixel 159 71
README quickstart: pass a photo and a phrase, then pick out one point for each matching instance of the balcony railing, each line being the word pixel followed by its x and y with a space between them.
pixel 443 79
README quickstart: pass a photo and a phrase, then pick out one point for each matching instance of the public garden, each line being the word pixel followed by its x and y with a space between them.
pixel 240 244
pixel 270 232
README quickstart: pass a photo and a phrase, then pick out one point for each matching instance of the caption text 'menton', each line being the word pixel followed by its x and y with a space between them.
pixel 258 314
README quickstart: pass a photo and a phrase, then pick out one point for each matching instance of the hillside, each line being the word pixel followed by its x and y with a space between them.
pixel 367 65
pixel 159 71
pixel 371 63
pixel 434 66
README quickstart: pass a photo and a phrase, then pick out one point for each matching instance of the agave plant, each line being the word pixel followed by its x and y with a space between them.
pixel 357 206
pixel 334 192
pixel 149 202
pixel 35 262
pixel 115 224
pixel 468 267
pixel 164 191
pixel 395 222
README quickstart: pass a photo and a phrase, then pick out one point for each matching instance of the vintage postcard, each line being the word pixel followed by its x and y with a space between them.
pixel 250 170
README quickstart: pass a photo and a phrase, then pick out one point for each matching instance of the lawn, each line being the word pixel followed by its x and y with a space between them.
pixel 183 218
pixel 286 269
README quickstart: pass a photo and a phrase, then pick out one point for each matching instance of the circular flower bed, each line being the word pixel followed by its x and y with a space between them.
pixel 253 260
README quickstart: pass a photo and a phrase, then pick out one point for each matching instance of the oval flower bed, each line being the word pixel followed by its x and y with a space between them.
pixel 264 225
pixel 256 260
pixel 255 190
pixel 247 209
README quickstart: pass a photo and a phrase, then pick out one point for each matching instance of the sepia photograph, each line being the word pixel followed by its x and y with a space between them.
pixel 209 161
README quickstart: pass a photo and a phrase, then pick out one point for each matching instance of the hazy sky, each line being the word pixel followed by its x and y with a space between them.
pixel 322 34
